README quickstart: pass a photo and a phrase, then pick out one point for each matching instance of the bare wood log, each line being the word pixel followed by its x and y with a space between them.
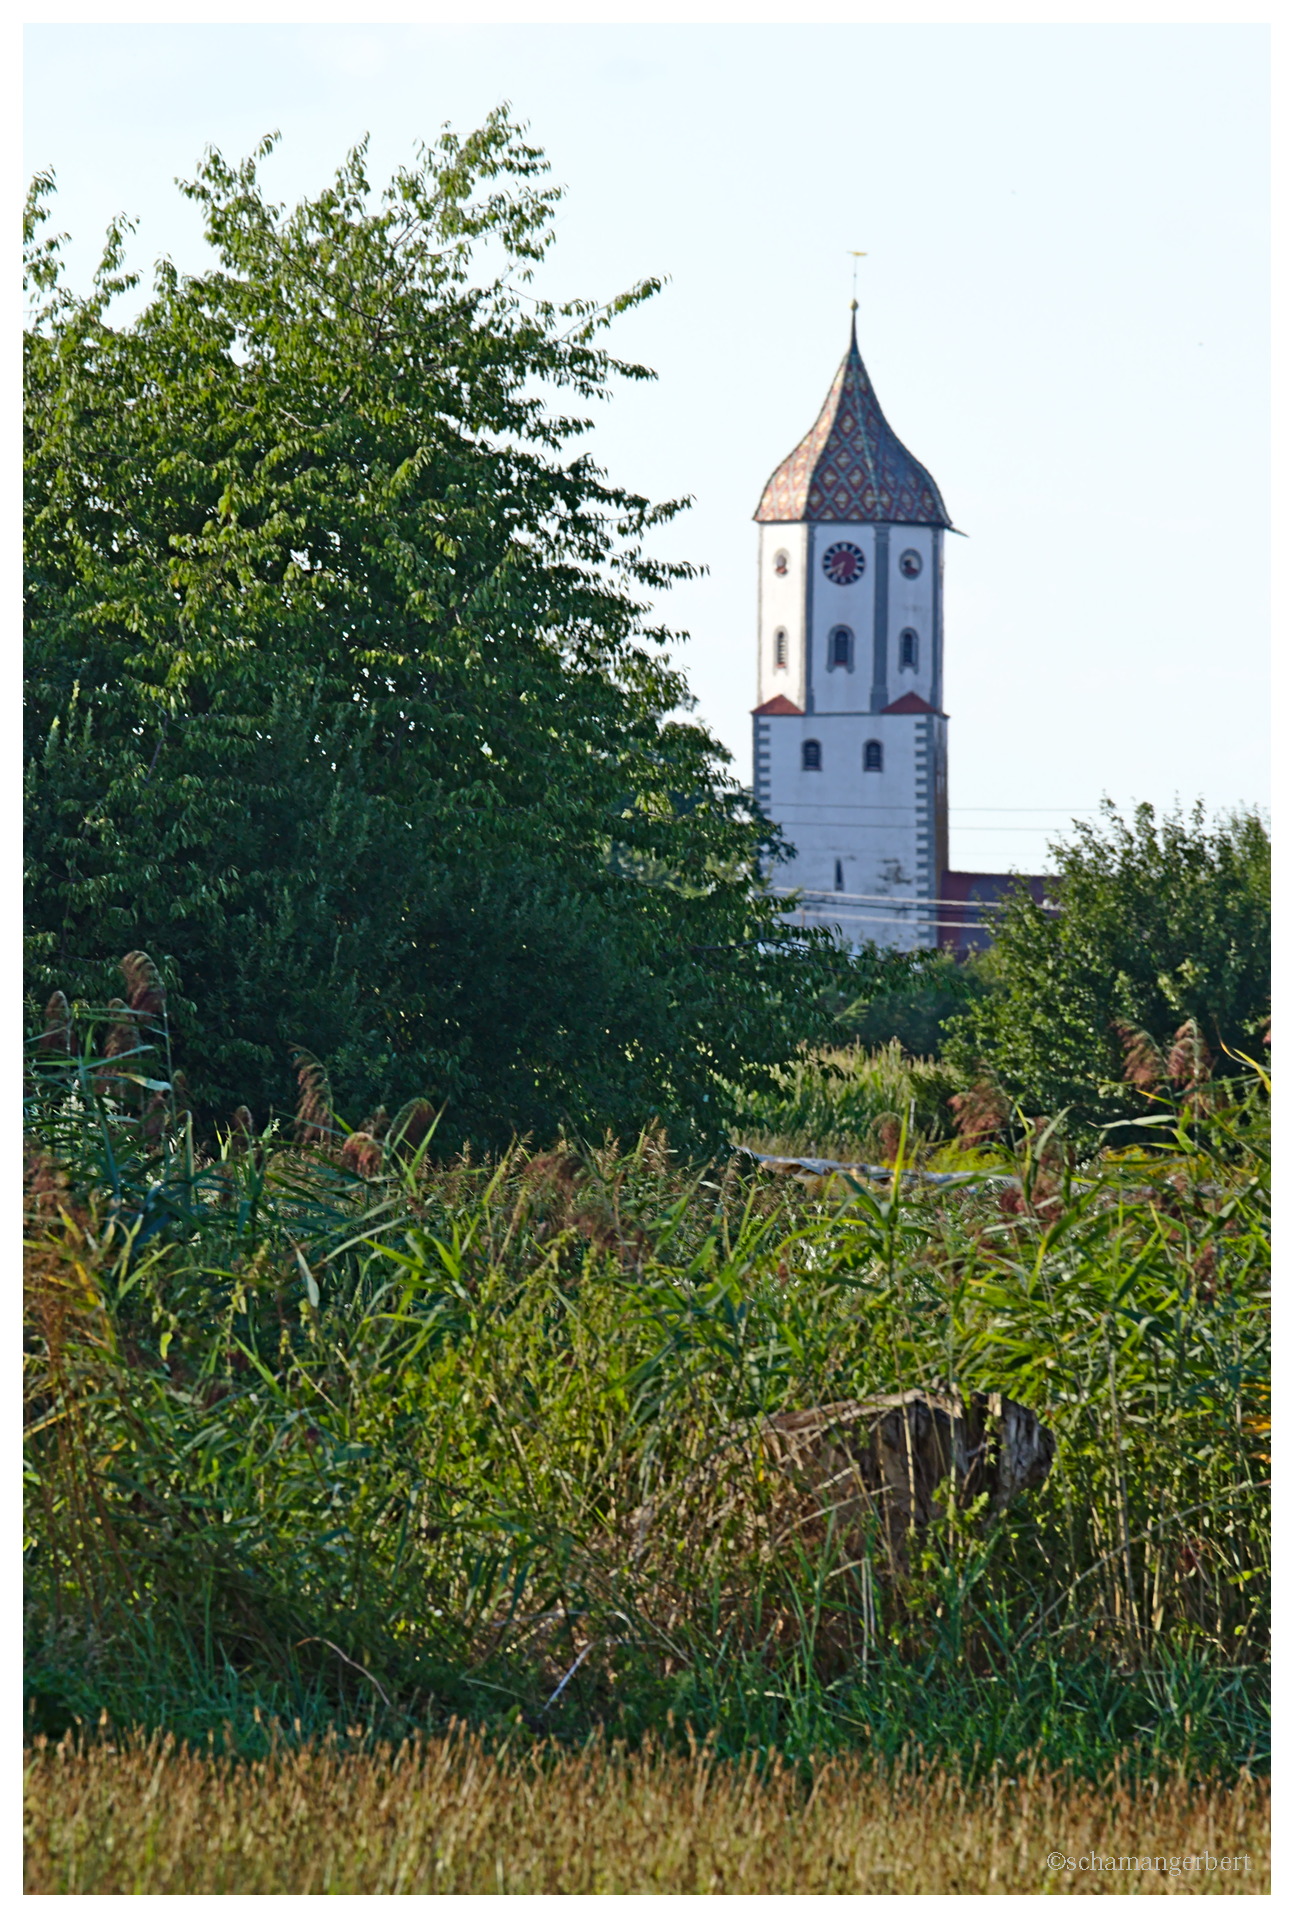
pixel 872 1471
pixel 900 1457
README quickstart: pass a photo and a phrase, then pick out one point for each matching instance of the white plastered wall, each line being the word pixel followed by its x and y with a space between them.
pixel 782 599
pixel 781 602
pixel 887 830
pixel 841 689
pixel 916 604
pixel 912 603
pixel 877 825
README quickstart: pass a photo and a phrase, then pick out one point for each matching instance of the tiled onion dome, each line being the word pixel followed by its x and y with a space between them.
pixel 850 466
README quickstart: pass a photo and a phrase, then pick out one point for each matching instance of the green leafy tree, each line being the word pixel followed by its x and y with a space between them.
pixel 1158 927
pixel 341 697
pixel 909 997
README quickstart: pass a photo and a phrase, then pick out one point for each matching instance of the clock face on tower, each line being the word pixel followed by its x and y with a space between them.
pixel 843 563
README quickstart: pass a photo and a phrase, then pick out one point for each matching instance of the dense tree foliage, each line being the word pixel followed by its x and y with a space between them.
pixel 911 998
pixel 341 697
pixel 1158 926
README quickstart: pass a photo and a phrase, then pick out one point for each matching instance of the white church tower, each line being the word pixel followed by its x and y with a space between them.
pixel 849 733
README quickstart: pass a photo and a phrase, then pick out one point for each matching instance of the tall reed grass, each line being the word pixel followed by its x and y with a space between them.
pixel 851 1103
pixel 447 1438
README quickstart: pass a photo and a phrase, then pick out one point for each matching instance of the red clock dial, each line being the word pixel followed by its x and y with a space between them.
pixel 843 563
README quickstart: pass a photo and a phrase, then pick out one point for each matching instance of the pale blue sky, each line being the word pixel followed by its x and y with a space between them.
pixel 1064 311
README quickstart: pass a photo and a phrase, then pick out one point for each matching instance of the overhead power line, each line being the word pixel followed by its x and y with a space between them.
pixel 899 806
pixel 884 899
pixel 866 926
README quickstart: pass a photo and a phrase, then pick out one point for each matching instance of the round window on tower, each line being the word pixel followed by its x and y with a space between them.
pixel 780 563
pixel 911 563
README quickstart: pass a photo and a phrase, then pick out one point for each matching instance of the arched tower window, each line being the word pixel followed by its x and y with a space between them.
pixel 841 648
pixel 872 756
pixel 780 647
pixel 909 648
pixel 840 879
pixel 780 563
pixel 811 757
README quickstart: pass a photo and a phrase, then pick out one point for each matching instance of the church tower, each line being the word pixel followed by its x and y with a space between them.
pixel 849 733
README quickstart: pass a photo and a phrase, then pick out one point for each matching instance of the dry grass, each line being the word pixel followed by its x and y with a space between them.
pixel 450 1816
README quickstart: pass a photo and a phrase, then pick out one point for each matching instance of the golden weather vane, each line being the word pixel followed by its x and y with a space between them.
pixel 857 254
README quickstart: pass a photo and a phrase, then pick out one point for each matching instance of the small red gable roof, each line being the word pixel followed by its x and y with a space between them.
pixel 781 704
pixel 910 703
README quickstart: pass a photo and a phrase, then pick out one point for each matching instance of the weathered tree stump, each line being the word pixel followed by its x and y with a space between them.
pixel 891 1464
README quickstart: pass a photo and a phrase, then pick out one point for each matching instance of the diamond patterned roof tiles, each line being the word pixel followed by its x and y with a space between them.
pixel 850 466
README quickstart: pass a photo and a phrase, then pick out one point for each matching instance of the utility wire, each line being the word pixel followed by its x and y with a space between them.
pixel 886 899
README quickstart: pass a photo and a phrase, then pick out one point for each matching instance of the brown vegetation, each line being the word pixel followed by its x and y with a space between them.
pixel 450 1816
pixel 981 1112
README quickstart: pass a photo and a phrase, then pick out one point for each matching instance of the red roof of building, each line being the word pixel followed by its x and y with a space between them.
pixel 970 903
pixel 779 704
pixel 910 703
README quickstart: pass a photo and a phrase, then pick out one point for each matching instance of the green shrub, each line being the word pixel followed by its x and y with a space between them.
pixel 1160 932
pixel 916 1011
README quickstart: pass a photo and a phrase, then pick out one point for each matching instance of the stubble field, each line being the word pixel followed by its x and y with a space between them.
pixel 450 1816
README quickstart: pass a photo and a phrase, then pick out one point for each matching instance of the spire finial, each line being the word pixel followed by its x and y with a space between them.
pixel 857 254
